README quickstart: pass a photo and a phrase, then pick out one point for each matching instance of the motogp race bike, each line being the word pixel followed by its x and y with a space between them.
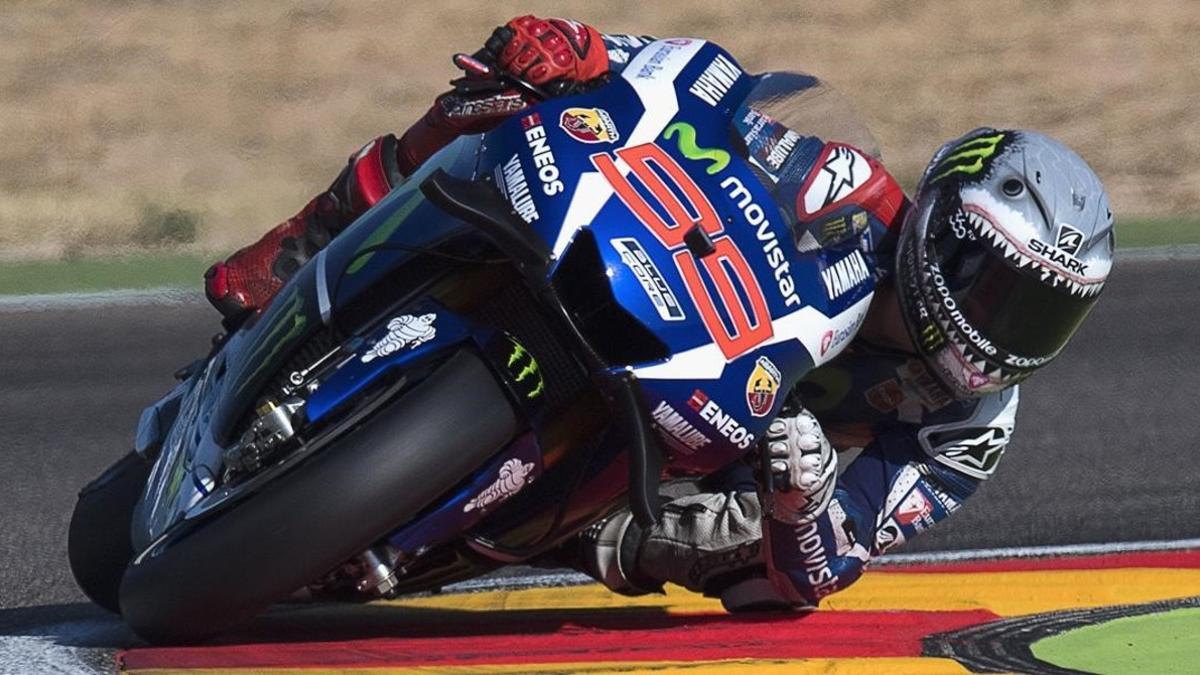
pixel 536 328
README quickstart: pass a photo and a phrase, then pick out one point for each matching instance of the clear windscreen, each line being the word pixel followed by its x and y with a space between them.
pixel 809 106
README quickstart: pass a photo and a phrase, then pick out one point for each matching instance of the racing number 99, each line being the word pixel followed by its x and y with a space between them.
pixel 726 267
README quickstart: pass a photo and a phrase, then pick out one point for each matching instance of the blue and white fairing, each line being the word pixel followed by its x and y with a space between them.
pixel 770 314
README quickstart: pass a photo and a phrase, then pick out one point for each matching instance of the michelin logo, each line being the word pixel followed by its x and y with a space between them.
pixel 403 331
pixel 514 475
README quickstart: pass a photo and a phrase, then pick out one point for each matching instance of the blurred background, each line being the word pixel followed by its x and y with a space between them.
pixel 186 126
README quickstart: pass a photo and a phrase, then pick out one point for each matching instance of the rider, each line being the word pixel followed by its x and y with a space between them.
pixel 982 280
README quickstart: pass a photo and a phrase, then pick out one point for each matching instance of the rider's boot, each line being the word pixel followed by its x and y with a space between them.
pixel 709 543
pixel 248 279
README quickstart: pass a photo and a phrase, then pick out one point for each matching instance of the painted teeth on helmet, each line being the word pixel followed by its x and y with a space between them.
pixel 983 226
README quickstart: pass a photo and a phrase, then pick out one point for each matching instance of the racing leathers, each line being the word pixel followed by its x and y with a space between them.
pixel 922 455
pixel 923 452
pixel 912 453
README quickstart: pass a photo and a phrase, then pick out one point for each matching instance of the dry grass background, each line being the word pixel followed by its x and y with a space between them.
pixel 238 110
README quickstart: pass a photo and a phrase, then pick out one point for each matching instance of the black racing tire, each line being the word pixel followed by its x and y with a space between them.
pixel 99 546
pixel 325 511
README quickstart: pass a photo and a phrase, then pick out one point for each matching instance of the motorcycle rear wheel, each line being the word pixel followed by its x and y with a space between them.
pixel 99 546
pixel 333 506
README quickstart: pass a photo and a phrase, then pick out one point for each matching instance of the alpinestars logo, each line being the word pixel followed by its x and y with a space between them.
pixel 969 157
pixel 842 172
pixel 976 456
pixel 1070 240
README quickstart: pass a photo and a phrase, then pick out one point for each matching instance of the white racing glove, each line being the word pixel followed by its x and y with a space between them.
pixel 800 468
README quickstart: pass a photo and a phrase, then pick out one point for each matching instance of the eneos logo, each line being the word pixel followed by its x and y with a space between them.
pixel 589 125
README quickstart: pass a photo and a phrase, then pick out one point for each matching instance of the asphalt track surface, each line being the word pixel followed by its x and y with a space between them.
pixel 1104 450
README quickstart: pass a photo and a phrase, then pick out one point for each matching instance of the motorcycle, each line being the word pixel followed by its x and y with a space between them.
pixel 538 327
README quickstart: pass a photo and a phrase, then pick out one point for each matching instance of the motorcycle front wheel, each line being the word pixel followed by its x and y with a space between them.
pixel 336 504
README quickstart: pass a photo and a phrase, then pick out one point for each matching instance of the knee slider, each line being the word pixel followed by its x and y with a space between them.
pixel 610 555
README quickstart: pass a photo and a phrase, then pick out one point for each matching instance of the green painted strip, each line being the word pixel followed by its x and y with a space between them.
pixel 1142 232
pixel 186 270
pixel 146 270
pixel 1167 642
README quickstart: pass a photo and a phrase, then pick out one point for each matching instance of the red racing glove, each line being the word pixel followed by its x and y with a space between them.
pixel 557 52
pixel 555 56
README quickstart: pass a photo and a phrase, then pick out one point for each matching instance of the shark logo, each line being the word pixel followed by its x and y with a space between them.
pixel 969 157
pixel 1070 240
pixel 525 371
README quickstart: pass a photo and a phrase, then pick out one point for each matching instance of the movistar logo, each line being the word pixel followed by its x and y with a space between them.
pixel 687 147
pixel 525 370
pixel 969 157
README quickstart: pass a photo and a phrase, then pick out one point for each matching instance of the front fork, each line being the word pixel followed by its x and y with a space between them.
pixel 425 333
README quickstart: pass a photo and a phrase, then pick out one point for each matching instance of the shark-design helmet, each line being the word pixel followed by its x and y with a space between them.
pixel 1003 253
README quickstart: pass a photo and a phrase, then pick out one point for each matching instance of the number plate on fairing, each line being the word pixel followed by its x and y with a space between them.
pixel 693 244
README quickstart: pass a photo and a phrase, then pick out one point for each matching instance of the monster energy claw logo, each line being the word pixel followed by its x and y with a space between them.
pixel 969 157
pixel 525 371
pixel 931 337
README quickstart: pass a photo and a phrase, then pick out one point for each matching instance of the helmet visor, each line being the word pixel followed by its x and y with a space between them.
pixel 1021 315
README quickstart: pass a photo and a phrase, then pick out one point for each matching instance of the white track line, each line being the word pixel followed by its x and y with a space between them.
pixel 45 648
pixel 165 295
pixel 1170 252
pixel 177 295
pixel 1019 552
